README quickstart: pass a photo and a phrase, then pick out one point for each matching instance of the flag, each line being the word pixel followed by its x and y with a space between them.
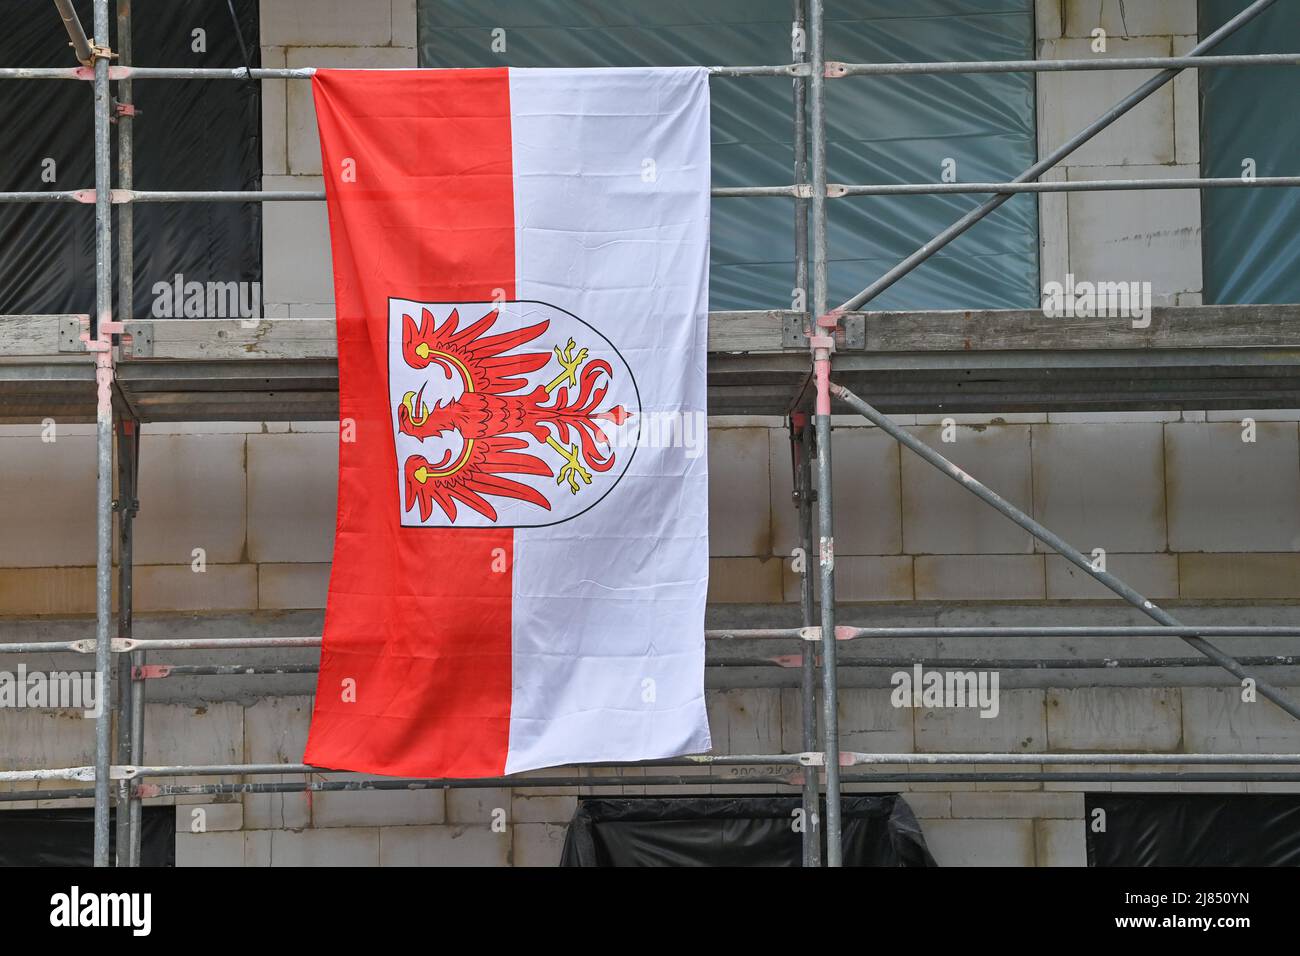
pixel 521 284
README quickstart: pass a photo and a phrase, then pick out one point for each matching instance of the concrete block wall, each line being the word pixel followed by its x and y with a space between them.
pixel 362 34
pixel 242 518
pixel 1184 508
pixel 1126 236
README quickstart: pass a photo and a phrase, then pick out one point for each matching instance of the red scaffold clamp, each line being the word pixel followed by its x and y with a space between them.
pixel 102 347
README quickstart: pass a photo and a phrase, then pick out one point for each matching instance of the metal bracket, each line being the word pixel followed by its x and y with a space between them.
pixel 70 327
pixel 854 330
pixel 141 335
pixel 794 330
pixel 103 341
pixel 98 52
pixel 850 333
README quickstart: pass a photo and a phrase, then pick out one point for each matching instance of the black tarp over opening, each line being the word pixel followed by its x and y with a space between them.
pixel 879 830
pixel 1193 829
pixel 189 134
pixel 65 837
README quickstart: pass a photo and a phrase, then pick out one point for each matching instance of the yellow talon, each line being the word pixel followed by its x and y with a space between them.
pixel 572 469
pixel 570 364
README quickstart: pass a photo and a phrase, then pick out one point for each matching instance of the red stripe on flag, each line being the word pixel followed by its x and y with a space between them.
pixel 419 619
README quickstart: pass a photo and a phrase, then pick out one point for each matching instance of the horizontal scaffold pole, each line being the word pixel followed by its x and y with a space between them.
pixel 838 191
pixel 295 73
pixel 151 791
pixel 796 761
pixel 836 70
pixel 842 633
pixel 798 190
pixel 161 671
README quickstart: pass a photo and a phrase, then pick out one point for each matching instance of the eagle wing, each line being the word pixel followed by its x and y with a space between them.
pixel 472 475
pixel 471 353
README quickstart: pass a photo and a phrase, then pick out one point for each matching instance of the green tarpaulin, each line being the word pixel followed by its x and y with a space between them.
pixel 879 129
pixel 1248 115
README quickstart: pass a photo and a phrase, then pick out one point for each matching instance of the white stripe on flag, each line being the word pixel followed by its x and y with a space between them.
pixel 611 180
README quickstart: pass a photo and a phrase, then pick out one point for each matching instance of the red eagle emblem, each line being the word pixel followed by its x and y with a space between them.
pixel 498 434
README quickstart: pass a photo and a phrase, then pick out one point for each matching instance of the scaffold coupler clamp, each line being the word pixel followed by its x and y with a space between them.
pixel 97 52
pixel 822 343
pixel 102 347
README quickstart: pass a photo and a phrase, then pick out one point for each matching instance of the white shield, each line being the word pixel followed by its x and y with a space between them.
pixel 505 414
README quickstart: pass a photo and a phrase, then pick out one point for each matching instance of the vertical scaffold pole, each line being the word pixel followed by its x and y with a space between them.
pixel 125 170
pixel 801 450
pixel 138 691
pixel 128 443
pixel 128 457
pixel 799 44
pixel 822 344
pixel 104 435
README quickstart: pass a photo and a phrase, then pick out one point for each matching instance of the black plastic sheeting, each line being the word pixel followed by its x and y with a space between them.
pixel 1202 829
pixel 1248 237
pixel 735 831
pixel 67 837
pixel 190 134
pixel 879 129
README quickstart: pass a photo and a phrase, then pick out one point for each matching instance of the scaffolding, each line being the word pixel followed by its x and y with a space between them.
pixel 760 363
